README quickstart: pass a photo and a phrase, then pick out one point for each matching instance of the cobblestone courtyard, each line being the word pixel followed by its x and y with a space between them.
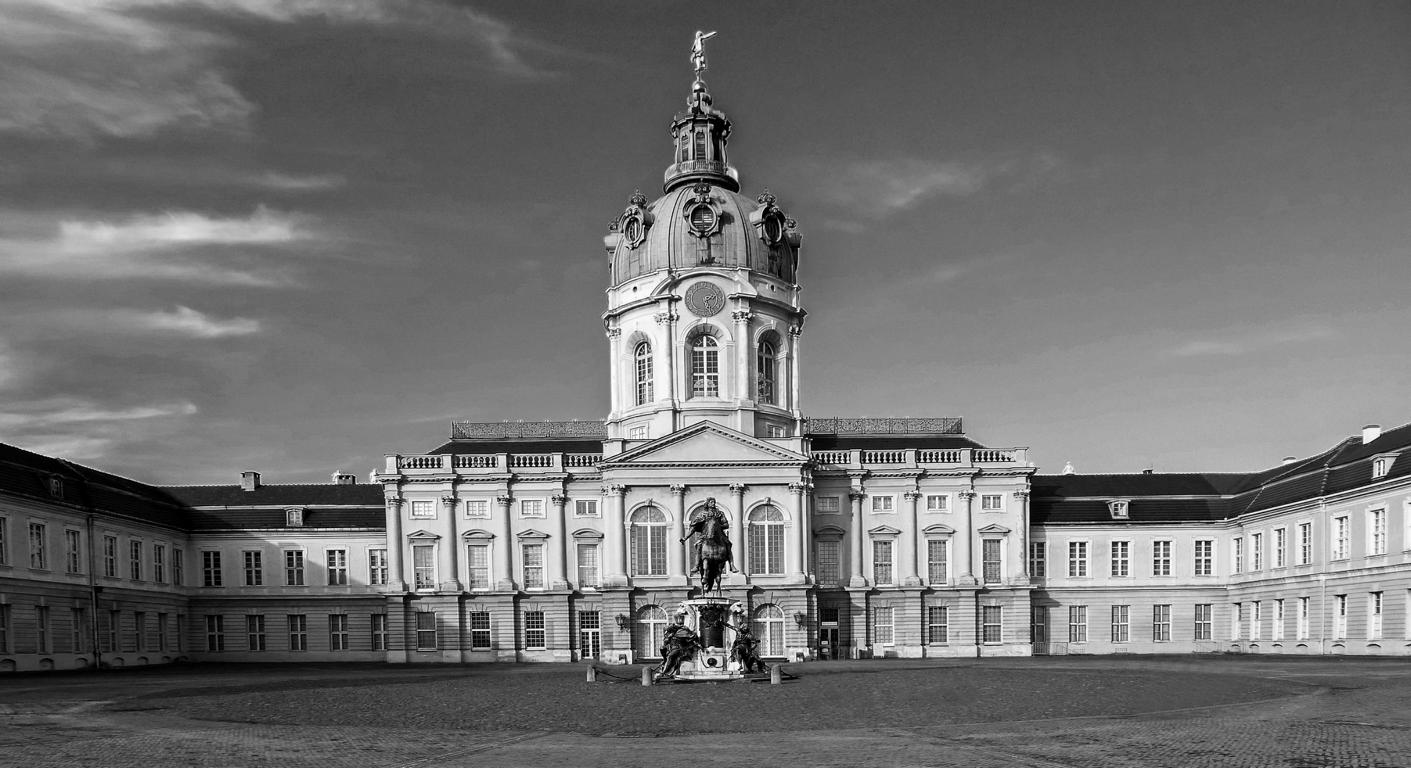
pixel 1074 711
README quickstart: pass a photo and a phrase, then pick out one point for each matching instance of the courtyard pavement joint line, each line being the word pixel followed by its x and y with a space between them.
pixel 950 742
pixel 484 746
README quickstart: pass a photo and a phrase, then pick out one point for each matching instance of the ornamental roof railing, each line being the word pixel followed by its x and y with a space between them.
pixel 903 425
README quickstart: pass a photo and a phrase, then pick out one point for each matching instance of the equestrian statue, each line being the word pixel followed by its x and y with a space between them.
pixel 712 544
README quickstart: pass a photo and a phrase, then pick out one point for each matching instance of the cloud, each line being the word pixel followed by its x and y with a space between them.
pixel 185 321
pixel 876 189
pixel 163 246
pixel 9 366
pixel 1254 342
pixel 284 182
pixel 82 69
pixel 78 428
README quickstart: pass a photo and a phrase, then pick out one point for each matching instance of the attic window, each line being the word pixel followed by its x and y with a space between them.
pixel 56 486
pixel 294 517
pixel 1117 508
pixel 1381 465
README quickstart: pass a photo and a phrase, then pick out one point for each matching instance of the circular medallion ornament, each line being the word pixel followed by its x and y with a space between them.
pixel 705 299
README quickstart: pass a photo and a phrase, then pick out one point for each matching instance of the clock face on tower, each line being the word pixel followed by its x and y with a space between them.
pixel 704 299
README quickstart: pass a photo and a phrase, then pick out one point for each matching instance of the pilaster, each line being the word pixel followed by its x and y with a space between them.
pixel 558 544
pixel 910 575
pixel 856 579
pixel 504 549
pixel 450 572
pixel 965 544
pixel 616 542
pixel 396 577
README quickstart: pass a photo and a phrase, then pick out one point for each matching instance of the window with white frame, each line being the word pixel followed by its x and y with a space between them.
pixel 637 432
pixel 1077 559
pixel 1121 623
pixel 298 632
pixel 1305 543
pixel 1256 551
pixel 648 542
pixel 41 629
pixel 535 632
pixel 705 366
pixel 1038 624
pixel 1279 548
pixel 1374 615
pixel 937 625
pixel 1121 558
pixel 776 430
pixel 1256 620
pixel 254 567
pixel 110 556
pixel 1340 617
pixel 769 630
pixel 1161 622
pixel 882 562
pixel 937 561
pixel 178 567
pixel 1237 555
pixel 1161 558
pixel 1381 466
pixel 4 545
pixel 1236 621
pixel 5 630
pixel 215 633
pixel 991 502
pixel 991 560
pixel 589 573
pixel 294 567
pixel 1301 619
pixel 159 563
pixel 590 634
pixel 765 369
pixel 991 624
pixel 765 534
pixel 1204 557
pixel 424 509
pixel 642 358
pixel 210 569
pixel 1038 559
pixel 827 505
pixel 883 626
pixel 531 507
pixel 38 547
pixel 477 561
pixel 1204 621
pixel 477 508
pixel 338 632
pixel 937 502
pixel 829 565
pixel 532 558
pixel 585 507
pixel 134 560
pixel 1377 531
pixel 379 632
pixel 1077 623
pixel 1342 536
pixel 424 566
pixel 479 630
pixel 650 631
pixel 884 504
pixel 1276 631
pixel 377 567
pixel 425 631
pixel 73 551
pixel 337 560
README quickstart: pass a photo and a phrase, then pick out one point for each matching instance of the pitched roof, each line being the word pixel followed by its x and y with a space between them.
pixel 479 446
pixel 310 495
pixel 26 473
pixel 836 442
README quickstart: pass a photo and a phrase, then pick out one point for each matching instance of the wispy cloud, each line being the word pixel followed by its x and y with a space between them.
pixel 285 182
pixel 183 321
pixel 83 429
pixel 163 246
pixel 1240 344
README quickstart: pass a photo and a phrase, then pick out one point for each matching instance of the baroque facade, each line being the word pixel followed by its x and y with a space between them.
pixel 562 541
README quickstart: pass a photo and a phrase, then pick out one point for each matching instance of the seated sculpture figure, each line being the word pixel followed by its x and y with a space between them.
pixel 743 651
pixel 678 643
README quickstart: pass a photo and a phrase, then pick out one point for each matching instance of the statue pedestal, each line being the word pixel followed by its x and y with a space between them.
pixel 707 617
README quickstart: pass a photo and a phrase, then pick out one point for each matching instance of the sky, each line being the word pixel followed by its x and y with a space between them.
pixel 295 236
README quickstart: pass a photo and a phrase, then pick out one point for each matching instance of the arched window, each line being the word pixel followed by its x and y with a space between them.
pixel 705 367
pixel 766 537
pixel 700 145
pixel 648 542
pixel 651 632
pixel 764 364
pixel 643 357
pixel 769 629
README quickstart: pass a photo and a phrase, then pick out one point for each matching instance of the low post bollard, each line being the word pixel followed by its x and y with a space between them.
pixel 776 675
pixel 646 675
pixel 592 674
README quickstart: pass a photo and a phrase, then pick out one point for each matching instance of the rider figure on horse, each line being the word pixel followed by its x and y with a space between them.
pixel 700 520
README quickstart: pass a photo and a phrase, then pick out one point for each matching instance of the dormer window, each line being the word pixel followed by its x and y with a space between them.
pixel 294 517
pixel 1118 509
pixel 56 486
pixel 1381 465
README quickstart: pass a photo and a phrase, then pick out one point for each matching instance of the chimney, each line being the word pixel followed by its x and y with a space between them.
pixel 249 480
pixel 1290 459
pixel 343 478
pixel 1371 432
pixel 1148 471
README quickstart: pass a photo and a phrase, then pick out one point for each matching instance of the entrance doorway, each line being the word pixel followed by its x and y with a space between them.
pixel 589 635
pixel 828 642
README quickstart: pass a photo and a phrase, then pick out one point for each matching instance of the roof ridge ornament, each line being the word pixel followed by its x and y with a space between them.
pixel 698 57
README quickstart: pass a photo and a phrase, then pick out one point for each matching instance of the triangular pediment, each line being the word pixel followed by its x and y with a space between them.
pixel 422 535
pixel 884 530
pixel 530 533
pixel 706 443
pixel 994 529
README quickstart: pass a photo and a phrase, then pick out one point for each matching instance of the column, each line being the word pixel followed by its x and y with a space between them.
pixel 1022 497
pixel 616 401
pixel 396 579
pixel 558 544
pixel 504 548
pixel 795 332
pixel 676 563
pixel 742 354
pixel 450 570
pixel 616 554
pixel 964 540
pixel 910 573
pixel 736 515
pixel 799 535
pixel 666 356
pixel 855 497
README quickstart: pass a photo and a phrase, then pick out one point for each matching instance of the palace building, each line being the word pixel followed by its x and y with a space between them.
pixel 561 541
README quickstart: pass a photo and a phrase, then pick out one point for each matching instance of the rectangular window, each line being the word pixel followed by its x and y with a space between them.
pixel 337 631
pixel 1256 620
pixel 991 502
pixel 78 626
pixel 379 631
pixel 1256 551
pixel 828 505
pixel 1305 543
pixel 215 633
pixel 1301 628
pixel 1077 558
pixel 991 553
pixel 590 635
pixel 424 509
pixel 110 556
pixel 1374 615
pixel 1341 537
pixel 1038 624
pixel 477 560
pixel 4 546
pixel 377 567
pixel 41 628
pixel 1340 617
pixel 134 560
pixel 210 569
pixel 424 566
pixel 1121 559
pixel 1277 632
pixel 254 568
pixel 1161 558
pixel 1237 556
pixel 1280 553
pixel 255 632
pixel 294 567
pixel 5 629
pixel 480 630
pixel 73 552
pixel 1204 557
pixel 1077 623
pixel 38 554
pixel 882 562
pixel 829 563
pixel 298 632
pixel 337 567
pixel 991 624
pixel 1204 621
pixel 139 630
pixel 937 625
pixel 477 508
pixel 531 507
pixel 1161 623
pixel 426 631
pixel 588 573
pixel 937 502
pixel 1121 623
pixel 114 623
pixel 882 626
pixel 535 635
pixel 159 563
pixel 163 642
pixel 1236 621
pixel 1377 532
pixel 1038 559
pixel 178 567
pixel 585 507
pixel 533 565
pixel 937 565
pixel 882 505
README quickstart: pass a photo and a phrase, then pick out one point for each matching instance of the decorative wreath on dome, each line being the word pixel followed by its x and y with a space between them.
pixel 635 220
pixel 770 222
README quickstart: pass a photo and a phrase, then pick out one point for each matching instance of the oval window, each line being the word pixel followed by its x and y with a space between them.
pixel 702 218
pixel 632 231
pixel 773 230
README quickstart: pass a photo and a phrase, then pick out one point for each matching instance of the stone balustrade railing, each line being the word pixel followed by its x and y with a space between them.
pixel 499 462
pixel 919 458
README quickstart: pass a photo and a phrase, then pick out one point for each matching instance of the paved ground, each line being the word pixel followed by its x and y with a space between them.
pixel 1041 713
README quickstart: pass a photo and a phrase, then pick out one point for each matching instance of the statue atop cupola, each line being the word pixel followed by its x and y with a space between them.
pixel 700 134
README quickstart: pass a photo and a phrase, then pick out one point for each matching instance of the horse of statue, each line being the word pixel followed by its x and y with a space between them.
pixel 713 552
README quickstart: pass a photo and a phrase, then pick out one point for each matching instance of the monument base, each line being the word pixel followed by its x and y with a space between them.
pixel 713 620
